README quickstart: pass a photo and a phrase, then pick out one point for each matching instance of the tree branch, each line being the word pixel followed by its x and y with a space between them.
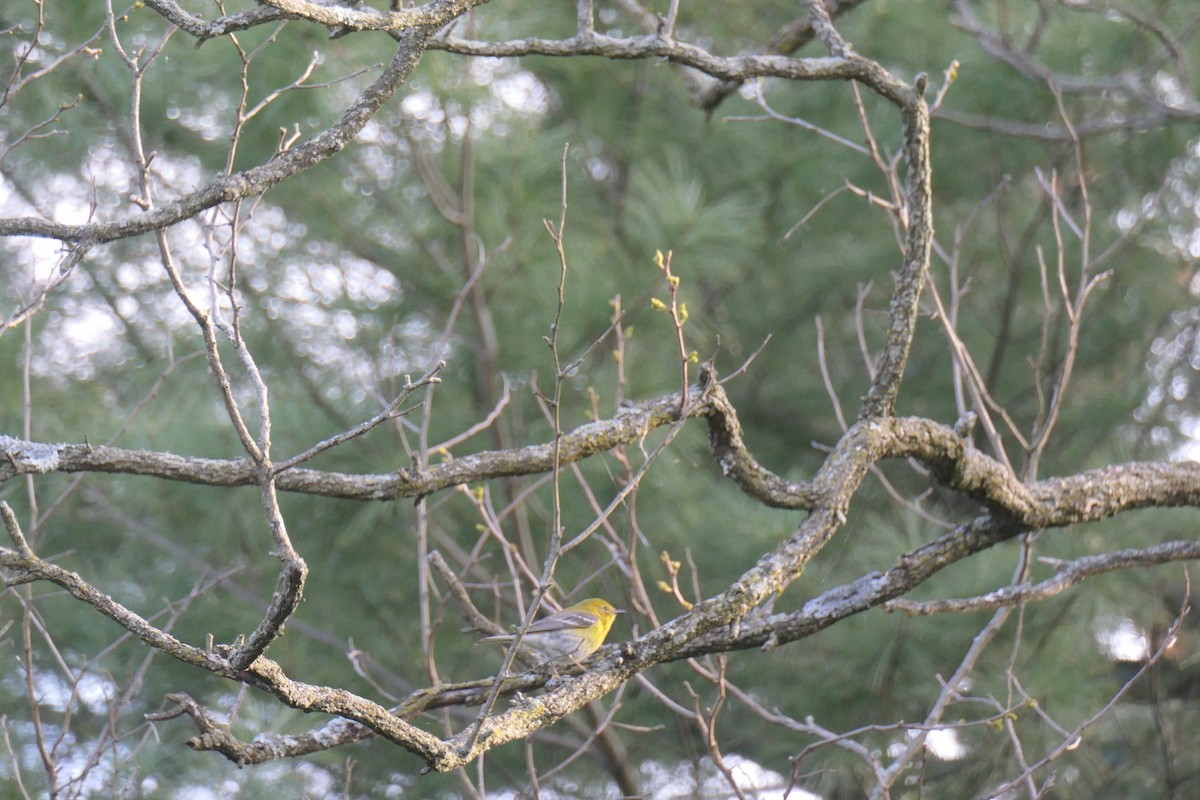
pixel 248 183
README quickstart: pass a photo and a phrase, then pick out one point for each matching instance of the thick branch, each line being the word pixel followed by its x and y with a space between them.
pixel 955 463
pixel 364 18
pixel 918 218
pixel 736 461
pixel 19 457
pixel 752 631
pixel 203 29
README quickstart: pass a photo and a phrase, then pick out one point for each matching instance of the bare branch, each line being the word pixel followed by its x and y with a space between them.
pixel 1066 575
pixel 737 68
pixel 247 183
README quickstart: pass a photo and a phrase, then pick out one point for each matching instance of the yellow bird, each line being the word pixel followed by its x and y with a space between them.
pixel 570 635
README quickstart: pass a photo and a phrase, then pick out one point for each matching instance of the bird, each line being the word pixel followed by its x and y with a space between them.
pixel 567 636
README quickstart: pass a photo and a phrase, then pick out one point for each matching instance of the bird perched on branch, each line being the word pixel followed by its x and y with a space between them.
pixel 570 635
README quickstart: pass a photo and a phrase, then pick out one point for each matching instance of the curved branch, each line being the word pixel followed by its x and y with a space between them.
pixel 753 631
pixel 203 29
pixel 736 461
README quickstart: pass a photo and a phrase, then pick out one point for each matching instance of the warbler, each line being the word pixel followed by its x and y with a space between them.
pixel 570 635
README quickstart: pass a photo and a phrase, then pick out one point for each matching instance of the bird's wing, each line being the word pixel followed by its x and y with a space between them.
pixel 564 620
